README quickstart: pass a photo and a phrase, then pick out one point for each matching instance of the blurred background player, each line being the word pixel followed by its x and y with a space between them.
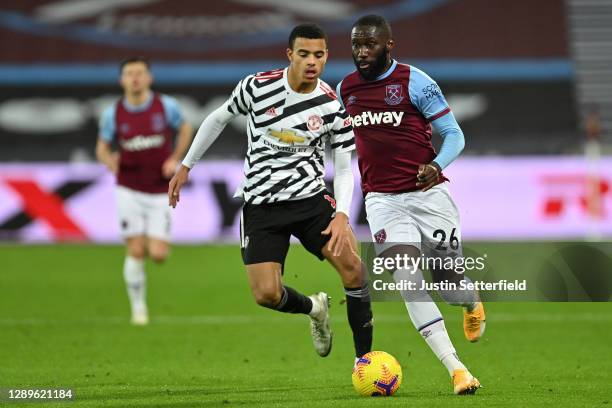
pixel 592 154
pixel 410 211
pixel 142 125
pixel 292 114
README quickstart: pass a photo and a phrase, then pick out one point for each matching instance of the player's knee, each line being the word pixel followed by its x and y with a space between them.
pixel 136 251
pixel 159 255
pixel 267 297
pixel 158 252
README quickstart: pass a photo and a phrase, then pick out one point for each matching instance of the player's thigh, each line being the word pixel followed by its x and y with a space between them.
pixel 438 219
pixel 158 217
pixel 390 223
pixel 131 212
pixel 265 282
pixel 348 264
pixel 316 213
pixel 263 237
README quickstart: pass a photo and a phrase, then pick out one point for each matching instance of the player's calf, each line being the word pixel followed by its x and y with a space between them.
pixel 358 303
pixel 269 292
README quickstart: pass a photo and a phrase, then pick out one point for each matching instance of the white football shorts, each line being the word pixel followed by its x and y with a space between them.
pixel 143 214
pixel 427 220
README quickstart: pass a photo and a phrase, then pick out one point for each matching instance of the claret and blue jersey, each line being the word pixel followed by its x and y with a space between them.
pixel 144 136
pixel 392 119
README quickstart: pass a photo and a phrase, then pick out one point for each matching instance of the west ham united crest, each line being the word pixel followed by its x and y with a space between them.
pixel 394 94
pixel 381 236
pixel 157 122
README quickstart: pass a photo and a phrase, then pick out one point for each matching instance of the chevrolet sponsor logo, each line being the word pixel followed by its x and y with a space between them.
pixel 287 136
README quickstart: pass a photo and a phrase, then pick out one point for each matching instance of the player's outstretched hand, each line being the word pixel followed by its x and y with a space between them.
pixel 174 187
pixel 428 175
pixel 339 231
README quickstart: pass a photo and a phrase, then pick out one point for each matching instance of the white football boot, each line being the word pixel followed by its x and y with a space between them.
pixel 140 317
pixel 319 324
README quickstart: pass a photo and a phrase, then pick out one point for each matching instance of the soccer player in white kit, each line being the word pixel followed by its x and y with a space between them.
pixel 409 209
pixel 292 115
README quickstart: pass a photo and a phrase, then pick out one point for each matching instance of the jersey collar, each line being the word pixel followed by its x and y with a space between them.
pixel 138 108
pixel 289 89
pixel 388 72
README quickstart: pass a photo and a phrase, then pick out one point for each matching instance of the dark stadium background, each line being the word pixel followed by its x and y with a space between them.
pixel 531 85
pixel 521 78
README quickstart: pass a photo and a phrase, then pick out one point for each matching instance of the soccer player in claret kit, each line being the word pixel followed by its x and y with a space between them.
pixel 142 124
pixel 409 209
pixel 292 114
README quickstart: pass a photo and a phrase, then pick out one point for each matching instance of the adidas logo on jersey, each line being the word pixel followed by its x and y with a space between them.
pixel 376 118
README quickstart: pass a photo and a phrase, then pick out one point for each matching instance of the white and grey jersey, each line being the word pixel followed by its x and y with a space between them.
pixel 287 132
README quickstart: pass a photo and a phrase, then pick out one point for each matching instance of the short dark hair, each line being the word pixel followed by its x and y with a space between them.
pixel 374 20
pixel 132 60
pixel 307 30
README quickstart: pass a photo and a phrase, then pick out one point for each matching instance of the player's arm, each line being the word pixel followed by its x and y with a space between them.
pixel 104 152
pixel 427 96
pixel 342 144
pixel 338 228
pixel 106 156
pixel 208 132
pixel 184 134
pixel 453 143
pixel 343 182
pixel 183 140
pixel 453 140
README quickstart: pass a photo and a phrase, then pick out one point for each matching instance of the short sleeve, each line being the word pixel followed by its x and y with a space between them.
pixel 426 95
pixel 240 100
pixel 174 117
pixel 342 137
pixel 107 124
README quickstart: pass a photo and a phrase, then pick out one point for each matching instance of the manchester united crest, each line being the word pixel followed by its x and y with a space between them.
pixel 314 123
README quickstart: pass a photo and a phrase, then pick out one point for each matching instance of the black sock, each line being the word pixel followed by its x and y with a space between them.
pixel 293 301
pixel 359 310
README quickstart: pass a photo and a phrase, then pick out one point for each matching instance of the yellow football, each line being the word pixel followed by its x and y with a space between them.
pixel 377 374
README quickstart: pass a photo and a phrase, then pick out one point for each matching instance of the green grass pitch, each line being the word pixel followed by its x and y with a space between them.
pixel 64 323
